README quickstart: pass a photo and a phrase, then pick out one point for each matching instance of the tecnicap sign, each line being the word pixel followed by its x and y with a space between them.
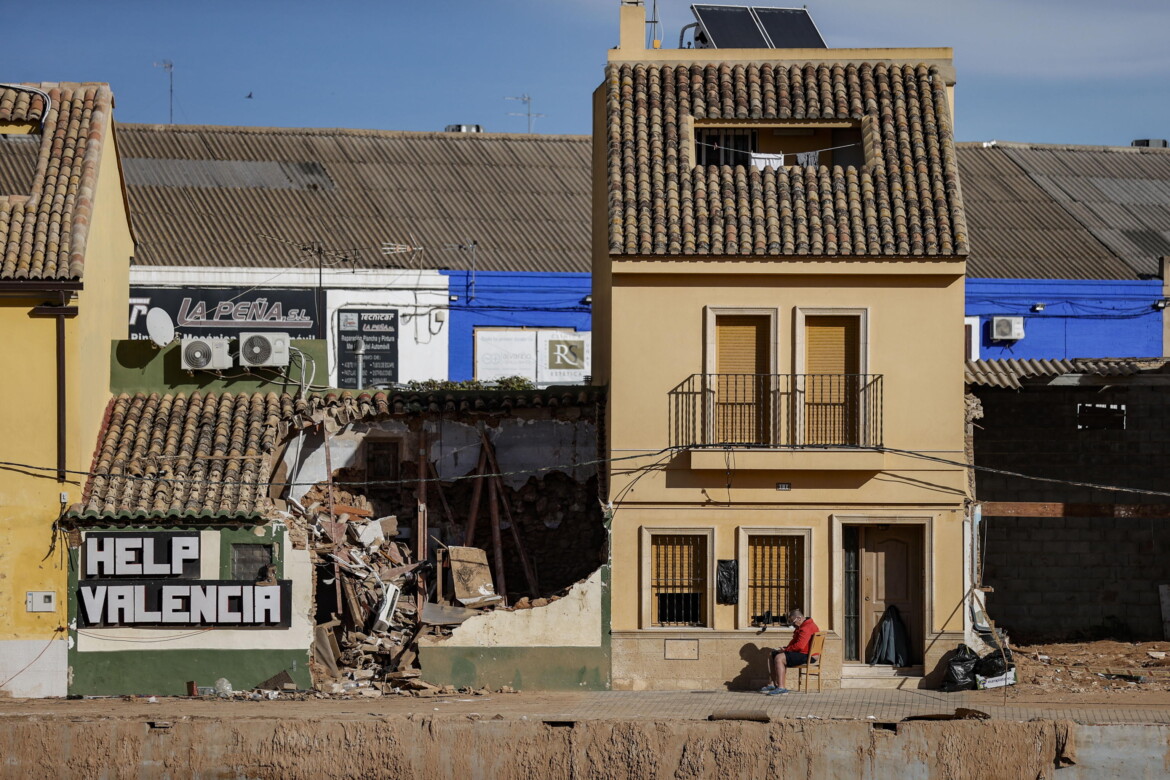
pixel 151 579
pixel 226 311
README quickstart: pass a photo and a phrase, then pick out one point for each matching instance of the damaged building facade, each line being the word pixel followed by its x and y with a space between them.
pixel 255 531
pixel 779 248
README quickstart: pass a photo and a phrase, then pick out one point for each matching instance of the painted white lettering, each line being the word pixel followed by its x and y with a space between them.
pixel 148 563
pixel 183 549
pixel 249 593
pixel 173 597
pixel 99 556
pixel 203 604
pixel 267 599
pixel 141 613
pixel 226 614
pixel 93 601
pixel 127 555
pixel 120 604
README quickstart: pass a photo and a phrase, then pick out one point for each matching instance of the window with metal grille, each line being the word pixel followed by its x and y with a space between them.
pixel 678 580
pixel 725 146
pixel 249 561
pixel 775 570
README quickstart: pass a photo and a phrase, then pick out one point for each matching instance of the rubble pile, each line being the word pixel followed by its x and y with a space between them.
pixel 367 587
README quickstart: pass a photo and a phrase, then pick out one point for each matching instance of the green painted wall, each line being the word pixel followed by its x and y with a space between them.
pixel 166 672
pixel 158 671
pixel 137 366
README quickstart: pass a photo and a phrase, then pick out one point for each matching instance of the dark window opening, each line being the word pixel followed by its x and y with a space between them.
pixel 382 462
pixel 251 561
pixel 1101 417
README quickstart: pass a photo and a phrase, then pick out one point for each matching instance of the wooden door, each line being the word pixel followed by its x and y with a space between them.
pixel 742 367
pixel 832 386
pixel 892 572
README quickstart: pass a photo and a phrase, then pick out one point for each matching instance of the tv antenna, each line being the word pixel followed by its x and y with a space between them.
pixel 389 248
pixel 526 99
pixel 169 67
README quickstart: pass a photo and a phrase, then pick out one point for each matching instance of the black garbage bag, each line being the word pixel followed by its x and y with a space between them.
pixel 893 643
pixel 960 674
pixel 994 663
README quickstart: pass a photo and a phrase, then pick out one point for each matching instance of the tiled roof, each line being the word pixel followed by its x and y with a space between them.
pixel 904 202
pixel 204 455
pixel 44 220
pixel 1041 211
pixel 244 196
pixel 1010 373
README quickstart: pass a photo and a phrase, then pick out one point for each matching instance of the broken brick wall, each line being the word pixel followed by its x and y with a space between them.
pixel 549 485
pixel 1113 435
pixel 1090 576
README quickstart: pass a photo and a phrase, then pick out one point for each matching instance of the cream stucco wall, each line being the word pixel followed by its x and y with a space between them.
pixel 652 331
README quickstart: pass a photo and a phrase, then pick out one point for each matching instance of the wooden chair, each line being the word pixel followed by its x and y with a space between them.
pixel 812 667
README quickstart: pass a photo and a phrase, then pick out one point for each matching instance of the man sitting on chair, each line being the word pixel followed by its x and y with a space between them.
pixel 795 654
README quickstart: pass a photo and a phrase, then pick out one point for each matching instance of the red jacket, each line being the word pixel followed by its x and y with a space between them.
pixel 802 637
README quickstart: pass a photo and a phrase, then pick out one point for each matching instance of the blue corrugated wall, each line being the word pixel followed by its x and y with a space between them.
pixel 1080 318
pixel 507 299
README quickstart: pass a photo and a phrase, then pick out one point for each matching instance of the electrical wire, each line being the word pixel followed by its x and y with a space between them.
pixel 44 650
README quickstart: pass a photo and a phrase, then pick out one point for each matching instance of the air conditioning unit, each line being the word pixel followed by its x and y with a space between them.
pixel 1007 328
pixel 204 354
pixel 263 349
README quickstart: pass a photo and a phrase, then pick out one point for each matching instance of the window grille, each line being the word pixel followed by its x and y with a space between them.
pixel 249 560
pixel 775 577
pixel 678 574
pixel 725 146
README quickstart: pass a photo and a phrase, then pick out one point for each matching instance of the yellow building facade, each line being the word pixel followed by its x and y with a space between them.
pixel 779 251
pixel 65 248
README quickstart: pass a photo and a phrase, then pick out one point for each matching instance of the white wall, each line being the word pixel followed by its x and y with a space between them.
pixel 417 295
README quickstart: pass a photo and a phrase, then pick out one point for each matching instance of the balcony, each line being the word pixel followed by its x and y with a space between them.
pixel 777 411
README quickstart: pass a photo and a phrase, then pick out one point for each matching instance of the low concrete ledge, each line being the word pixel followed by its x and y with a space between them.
pixel 788 460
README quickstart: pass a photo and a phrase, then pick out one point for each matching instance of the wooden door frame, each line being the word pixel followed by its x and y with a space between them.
pixel 837 553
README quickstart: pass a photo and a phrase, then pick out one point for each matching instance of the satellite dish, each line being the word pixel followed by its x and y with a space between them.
pixel 159 327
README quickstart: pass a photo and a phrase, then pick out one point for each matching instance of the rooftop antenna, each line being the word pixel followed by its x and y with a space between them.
pixel 389 248
pixel 653 31
pixel 169 67
pixel 526 99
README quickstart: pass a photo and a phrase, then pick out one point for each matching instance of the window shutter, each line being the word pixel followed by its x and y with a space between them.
pixel 832 345
pixel 741 345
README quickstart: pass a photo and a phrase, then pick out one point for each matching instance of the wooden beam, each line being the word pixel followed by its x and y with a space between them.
pixel 1059 509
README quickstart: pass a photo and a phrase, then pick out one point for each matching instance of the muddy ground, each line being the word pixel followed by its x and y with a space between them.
pixel 1083 672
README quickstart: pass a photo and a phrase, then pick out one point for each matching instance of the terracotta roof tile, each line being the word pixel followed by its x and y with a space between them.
pixel 904 201
pixel 207 455
pixel 43 231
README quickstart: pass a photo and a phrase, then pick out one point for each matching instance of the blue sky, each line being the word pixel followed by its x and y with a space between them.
pixel 1056 71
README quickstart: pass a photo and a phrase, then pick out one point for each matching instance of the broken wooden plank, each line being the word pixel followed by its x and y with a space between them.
pixel 323 650
pixel 497 541
pixel 525 564
pixel 476 493
pixel 346 509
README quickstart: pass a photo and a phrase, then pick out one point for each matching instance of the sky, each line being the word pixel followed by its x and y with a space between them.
pixel 1045 71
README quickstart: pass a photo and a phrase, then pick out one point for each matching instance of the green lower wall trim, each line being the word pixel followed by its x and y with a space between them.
pixel 166 672
pixel 523 668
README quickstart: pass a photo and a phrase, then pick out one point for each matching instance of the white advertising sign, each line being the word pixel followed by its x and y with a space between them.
pixel 547 357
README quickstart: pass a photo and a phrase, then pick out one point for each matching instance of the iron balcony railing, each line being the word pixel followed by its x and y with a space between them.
pixel 777 410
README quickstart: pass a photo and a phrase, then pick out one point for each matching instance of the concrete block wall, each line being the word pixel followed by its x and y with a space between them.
pixel 1076 577
pixel 1034 431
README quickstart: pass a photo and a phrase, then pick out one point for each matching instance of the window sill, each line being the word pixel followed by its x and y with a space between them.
pixel 744 459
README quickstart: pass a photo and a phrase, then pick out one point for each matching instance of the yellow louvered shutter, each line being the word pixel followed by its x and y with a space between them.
pixel 742 348
pixel 832 347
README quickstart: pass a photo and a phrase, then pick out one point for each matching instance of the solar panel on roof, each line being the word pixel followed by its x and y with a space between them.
pixel 729 27
pixel 789 28
pixel 752 27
